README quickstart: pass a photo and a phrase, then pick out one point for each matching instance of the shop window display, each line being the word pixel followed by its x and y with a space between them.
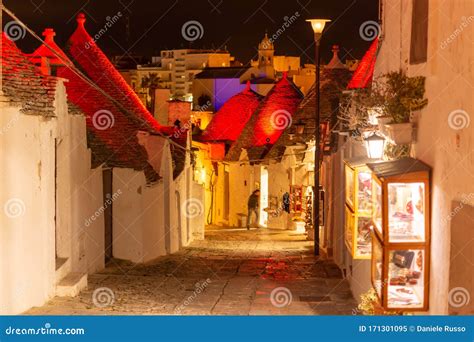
pixel 359 199
pixel 406 212
pixel 296 198
pixel 401 240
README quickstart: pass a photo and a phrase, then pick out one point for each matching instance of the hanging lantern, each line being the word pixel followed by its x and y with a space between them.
pixel 300 125
pixel 375 145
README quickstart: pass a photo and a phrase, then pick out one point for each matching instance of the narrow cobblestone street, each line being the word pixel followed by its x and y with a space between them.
pixel 232 272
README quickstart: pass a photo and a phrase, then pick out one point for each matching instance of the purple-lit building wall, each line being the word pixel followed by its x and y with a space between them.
pixel 220 90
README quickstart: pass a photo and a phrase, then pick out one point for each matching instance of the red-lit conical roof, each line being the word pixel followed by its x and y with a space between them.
pixel 23 84
pixel 365 70
pixel 45 50
pixel 270 119
pixel 230 120
pixel 112 135
pixel 276 112
pixel 85 52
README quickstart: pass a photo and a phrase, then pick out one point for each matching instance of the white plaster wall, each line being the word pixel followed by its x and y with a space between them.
pixel 449 86
pixel 28 165
pixel 359 277
pixel 188 210
pixel 184 207
pixel 144 217
pixel 138 217
pixel 178 236
pixel 89 194
pixel 79 193
pixel 219 196
pixel 197 222
pixel 26 241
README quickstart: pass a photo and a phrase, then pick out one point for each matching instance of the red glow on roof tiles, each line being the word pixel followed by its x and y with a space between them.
pixel 365 70
pixel 116 131
pixel 111 133
pixel 23 84
pixel 230 120
pixel 46 50
pixel 275 113
pixel 97 66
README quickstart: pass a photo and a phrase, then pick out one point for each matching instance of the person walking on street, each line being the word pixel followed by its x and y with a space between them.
pixel 252 205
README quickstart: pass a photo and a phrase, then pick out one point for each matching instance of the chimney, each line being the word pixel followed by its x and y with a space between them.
pixel 335 62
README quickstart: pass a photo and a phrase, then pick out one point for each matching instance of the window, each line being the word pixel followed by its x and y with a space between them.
pixel 419 32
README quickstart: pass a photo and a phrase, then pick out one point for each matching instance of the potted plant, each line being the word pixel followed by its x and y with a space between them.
pixel 393 97
pixel 402 96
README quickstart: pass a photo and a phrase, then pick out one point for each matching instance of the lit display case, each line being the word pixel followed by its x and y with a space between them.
pixel 296 198
pixel 401 238
pixel 359 199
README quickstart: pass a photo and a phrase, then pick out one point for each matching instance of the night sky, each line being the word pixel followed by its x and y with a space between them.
pixel 238 25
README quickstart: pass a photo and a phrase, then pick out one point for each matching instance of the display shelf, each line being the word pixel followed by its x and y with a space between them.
pixel 296 198
pixel 359 202
pixel 401 238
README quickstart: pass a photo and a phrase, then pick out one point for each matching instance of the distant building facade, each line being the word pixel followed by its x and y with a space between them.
pixel 173 70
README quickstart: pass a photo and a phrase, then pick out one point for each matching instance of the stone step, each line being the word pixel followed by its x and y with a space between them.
pixel 71 285
pixel 63 266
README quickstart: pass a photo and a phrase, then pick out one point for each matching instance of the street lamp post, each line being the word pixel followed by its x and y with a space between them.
pixel 318 27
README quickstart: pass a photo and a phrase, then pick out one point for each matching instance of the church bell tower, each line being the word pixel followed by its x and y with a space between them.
pixel 266 51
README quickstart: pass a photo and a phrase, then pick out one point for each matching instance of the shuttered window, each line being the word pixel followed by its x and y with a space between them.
pixel 419 32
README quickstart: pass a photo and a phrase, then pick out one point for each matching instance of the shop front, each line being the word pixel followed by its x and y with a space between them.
pixel 387 224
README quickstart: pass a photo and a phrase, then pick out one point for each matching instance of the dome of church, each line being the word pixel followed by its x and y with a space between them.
pixel 266 44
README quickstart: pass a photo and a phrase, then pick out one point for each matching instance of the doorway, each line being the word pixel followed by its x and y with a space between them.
pixel 226 195
pixel 180 217
pixel 107 176
pixel 263 215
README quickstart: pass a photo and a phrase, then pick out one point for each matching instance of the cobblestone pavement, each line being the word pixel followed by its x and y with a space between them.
pixel 232 272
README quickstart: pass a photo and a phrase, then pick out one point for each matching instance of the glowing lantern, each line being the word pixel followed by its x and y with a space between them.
pixel 375 145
